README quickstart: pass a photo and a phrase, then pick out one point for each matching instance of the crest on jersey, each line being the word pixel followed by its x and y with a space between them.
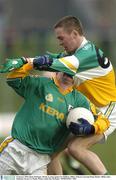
pixel 70 107
pixel 49 97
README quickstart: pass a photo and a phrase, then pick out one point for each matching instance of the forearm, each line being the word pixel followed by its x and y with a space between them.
pixel 53 65
pixel 39 62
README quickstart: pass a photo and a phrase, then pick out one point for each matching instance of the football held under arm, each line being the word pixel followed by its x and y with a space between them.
pixel 99 126
pixel 85 128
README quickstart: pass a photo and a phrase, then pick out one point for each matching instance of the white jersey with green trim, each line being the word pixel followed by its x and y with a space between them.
pixel 94 74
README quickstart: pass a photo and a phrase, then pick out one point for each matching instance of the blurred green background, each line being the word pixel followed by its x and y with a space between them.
pixel 26 29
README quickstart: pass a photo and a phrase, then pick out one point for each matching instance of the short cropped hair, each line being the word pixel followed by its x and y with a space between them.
pixel 70 23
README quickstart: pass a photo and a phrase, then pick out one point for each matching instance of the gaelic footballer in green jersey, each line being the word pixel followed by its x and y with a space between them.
pixel 43 114
pixel 45 107
pixel 39 128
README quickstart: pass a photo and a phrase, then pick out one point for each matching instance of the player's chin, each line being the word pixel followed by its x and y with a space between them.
pixel 68 50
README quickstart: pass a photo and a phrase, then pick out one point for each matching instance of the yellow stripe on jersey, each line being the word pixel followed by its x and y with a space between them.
pixel 5 143
pixel 68 64
pixel 21 72
pixel 110 109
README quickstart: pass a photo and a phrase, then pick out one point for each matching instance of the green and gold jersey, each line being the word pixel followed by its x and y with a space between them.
pixel 40 123
pixel 94 74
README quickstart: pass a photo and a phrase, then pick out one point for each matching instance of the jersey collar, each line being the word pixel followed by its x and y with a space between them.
pixel 83 43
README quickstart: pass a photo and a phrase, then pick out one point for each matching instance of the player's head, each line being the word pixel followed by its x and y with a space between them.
pixel 70 23
pixel 65 78
pixel 69 32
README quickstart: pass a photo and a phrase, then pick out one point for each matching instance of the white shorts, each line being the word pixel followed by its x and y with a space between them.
pixel 18 159
pixel 110 112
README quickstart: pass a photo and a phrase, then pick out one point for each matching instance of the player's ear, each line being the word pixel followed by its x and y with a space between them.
pixel 75 33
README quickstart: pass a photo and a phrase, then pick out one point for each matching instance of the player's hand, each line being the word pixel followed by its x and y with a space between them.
pixel 42 62
pixel 84 128
pixel 12 64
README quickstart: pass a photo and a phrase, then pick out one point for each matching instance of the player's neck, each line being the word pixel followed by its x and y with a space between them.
pixel 65 84
pixel 80 41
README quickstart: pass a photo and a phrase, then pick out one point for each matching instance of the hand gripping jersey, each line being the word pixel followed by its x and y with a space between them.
pixel 94 74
